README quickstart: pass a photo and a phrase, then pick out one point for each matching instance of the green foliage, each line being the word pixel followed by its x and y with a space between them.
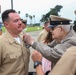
pixel 26 15
pixel 28 29
pixel 19 12
pixel 53 11
pixel 3 29
pixel 37 24
pixel 36 28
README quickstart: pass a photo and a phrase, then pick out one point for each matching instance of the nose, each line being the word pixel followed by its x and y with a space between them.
pixel 20 22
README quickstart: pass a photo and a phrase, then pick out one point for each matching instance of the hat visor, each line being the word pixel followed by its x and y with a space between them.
pixel 52 26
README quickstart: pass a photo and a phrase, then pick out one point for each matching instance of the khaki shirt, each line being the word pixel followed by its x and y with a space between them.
pixel 42 35
pixel 67 64
pixel 14 57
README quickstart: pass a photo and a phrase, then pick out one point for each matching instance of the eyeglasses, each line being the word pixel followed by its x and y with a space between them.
pixel 53 28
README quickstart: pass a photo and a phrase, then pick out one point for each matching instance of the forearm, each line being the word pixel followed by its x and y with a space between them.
pixel 39 70
pixel 45 50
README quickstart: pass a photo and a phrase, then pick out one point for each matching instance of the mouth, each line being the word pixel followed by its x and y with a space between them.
pixel 20 26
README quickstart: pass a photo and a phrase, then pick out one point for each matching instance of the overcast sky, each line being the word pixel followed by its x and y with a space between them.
pixel 40 7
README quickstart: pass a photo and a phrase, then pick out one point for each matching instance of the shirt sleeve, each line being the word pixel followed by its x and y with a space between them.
pixel 0 54
pixel 53 53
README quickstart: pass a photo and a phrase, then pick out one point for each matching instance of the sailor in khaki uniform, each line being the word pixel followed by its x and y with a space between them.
pixel 14 56
pixel 24 24
pixel 42 35
pixel 63 35
pixel 67 64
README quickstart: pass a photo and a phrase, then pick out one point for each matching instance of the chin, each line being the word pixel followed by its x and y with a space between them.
pixel 20 30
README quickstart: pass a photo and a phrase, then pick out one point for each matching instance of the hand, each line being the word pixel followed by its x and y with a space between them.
pixel 27 38
pixel 36 56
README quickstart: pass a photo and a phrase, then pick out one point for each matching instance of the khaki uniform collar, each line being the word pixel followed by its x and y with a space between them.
pixel 70 34
pixel 9 37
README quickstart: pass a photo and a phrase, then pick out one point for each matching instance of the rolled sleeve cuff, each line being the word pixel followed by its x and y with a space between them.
pixel 34 44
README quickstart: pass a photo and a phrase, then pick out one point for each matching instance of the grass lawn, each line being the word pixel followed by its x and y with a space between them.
pixel 27 29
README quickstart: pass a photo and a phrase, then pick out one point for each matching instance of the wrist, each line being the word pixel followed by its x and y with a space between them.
pixel 32 43
pixel 37 63
pixel 38 67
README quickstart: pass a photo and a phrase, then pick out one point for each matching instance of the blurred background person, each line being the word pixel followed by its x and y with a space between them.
pixel 45 37
pixel 74 27
pixel 24 25
pixel 46 64
pixel 44 32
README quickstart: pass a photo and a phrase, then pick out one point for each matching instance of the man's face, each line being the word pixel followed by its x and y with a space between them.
pixel 14 24
pixel 56 33
pixel 46 26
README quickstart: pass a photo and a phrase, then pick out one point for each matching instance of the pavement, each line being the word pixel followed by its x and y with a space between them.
pixel 34 35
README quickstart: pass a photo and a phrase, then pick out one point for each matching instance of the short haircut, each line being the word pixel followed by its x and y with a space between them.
pixel 66 27
pixel 6 13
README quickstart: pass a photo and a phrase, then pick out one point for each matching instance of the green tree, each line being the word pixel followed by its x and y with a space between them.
pixel 26 15
pixel 30 20
pixel 34 19
pixel 43 18
pixel 53 11
pixel 19 12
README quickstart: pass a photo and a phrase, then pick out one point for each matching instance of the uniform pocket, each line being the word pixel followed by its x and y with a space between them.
pixel 14 55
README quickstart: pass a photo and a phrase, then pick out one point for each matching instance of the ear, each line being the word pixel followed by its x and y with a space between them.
pixel 61 28
pixel 6 24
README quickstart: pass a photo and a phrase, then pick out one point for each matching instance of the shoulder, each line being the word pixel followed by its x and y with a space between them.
pixel 72 50
pixel 73 38
pixel 73 47
pixel 2 37
pixel 69 39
